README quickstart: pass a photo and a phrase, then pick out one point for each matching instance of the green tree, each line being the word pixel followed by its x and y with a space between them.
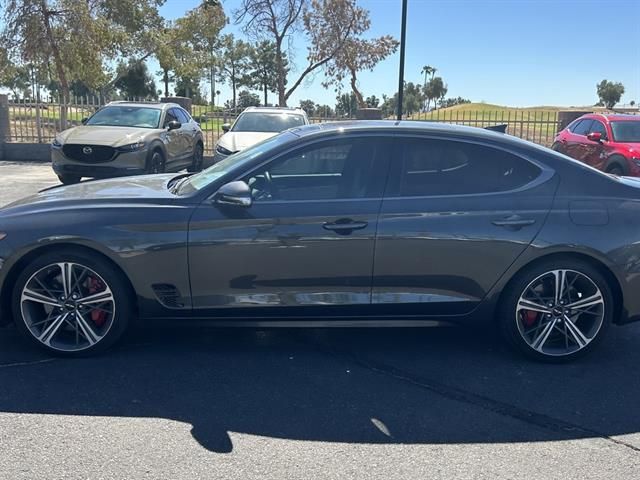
pixel 324 111
pixel 190 88
pixel 248 99
pixel 200 29
pixel 436 90
pixel 372 101
pixel 347 105
pixel 12 76
pixel 235 63
pixel 610 93
pixel 264 72
pixel 427 70
pixel 308 106
pixel 78 37
pixel 134 81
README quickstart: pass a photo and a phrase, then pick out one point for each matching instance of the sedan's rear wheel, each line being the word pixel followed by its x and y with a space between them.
pixel 71 304
pixel 557 311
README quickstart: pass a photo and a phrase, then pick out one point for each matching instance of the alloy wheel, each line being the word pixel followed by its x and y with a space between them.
pixel 67 307
pixel 560 312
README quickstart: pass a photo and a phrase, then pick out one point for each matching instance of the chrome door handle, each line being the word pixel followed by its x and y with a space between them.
pixel 344 226
pixel 514 221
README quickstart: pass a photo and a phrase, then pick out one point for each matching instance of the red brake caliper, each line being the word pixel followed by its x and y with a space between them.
pixel 97 316
pixel 529 317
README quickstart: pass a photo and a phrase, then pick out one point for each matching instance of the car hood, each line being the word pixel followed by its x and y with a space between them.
pixel 112 191
pixel 236 141
pixel 99 135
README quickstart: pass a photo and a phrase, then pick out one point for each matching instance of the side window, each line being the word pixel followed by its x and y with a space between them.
pixel 583 127
pixel 170 117
pixel 350 168
pixel 441 167
pixel 598 127
pixel 183 116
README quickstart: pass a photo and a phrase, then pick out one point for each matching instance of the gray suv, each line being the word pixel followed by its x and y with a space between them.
pixel 125 138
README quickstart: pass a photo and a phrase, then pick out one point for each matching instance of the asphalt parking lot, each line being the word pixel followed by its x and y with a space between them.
pixel 192 403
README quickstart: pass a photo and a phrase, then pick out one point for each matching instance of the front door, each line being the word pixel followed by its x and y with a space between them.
pixel 174 140
pixel 594 151
pixel 307 241
pixel 455 217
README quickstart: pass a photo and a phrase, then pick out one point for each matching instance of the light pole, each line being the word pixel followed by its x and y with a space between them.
pixel 403 41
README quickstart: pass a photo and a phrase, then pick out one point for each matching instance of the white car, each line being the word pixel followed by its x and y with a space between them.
pixel 255 124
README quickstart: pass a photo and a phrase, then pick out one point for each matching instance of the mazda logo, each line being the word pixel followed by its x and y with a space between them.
pixel 87 150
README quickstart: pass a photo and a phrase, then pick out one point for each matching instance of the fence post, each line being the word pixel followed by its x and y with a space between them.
pixel 4 122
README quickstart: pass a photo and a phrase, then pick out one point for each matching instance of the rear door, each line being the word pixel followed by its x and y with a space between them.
pixel 454 217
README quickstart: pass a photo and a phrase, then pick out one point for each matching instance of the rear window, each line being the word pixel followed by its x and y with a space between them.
pixel 440 167
pixel 628 131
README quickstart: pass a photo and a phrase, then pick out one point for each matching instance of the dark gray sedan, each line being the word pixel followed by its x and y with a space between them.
pixel 352 225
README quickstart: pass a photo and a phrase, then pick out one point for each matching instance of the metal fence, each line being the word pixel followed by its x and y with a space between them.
pixel 539 126
pixel 39 122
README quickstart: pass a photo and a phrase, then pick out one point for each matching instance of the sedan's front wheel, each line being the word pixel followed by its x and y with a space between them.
pixel 556 311
pixel 71 304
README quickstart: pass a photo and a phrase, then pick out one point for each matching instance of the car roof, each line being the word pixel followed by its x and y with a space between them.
pixel 612 117
pixel 404 126
pixel 297 111
pixel 158 105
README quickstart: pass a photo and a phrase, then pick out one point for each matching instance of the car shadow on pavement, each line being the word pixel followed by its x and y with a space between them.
pixel 403 386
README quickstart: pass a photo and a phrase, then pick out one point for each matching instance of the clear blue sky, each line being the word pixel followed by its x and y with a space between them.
pixel 507 52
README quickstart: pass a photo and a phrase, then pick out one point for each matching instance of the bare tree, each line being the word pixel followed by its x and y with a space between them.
pixel 328 24
pixel 273 20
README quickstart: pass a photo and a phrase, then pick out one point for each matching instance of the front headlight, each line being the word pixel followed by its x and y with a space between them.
pixel 132 147
pixel 223 151
pixel 56 143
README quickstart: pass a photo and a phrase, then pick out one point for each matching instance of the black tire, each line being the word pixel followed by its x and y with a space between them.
pixel 113 328
pixel 198 159
pixel 557 146
pixel 616 169
pixel 69 179
pixel 156 162
pixel 508 316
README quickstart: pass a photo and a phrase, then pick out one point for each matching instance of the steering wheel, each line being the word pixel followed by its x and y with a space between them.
pixel 273 189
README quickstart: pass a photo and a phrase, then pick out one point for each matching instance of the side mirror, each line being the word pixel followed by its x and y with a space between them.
pixel 234 193
pixel 84 120
pixel 595 137
pixel 173 125
pixel 226 127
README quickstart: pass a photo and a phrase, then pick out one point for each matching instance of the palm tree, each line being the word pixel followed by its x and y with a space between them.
pixel 427 70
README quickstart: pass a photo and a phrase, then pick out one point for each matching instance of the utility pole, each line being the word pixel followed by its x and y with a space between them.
pixel 403 41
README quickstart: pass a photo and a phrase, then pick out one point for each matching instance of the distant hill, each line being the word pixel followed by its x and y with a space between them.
pixel 488 110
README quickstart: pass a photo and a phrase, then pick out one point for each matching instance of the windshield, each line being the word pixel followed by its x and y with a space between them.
pixel 628 131
pixel 237 160
pixel 267 122
pixel 126 116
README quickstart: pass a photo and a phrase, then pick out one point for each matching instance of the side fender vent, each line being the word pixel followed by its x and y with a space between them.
pixel 168 295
